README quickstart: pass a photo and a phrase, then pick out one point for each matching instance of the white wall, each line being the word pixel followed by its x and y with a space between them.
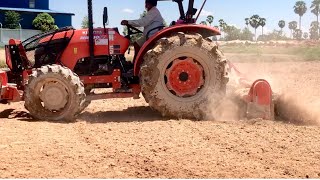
pixel 21 34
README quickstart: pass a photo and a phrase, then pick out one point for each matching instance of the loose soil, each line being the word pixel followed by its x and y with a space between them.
pixel 124 138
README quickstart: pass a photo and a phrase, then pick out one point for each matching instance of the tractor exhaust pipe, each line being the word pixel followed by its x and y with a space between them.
pixel 91 40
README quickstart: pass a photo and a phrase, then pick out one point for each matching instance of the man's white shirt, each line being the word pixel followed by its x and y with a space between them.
pixel 151 20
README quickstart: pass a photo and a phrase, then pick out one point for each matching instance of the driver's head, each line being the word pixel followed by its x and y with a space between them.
pixel 151 3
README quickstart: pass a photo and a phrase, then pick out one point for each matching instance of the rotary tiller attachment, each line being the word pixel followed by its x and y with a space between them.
pixel 254 99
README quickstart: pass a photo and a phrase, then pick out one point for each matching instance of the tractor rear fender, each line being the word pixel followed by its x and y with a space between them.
pixel 205 31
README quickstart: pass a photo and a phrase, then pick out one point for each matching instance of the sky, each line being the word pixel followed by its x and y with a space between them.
pixel 233 12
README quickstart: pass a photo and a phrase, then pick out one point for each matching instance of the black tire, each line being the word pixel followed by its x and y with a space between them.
pixel 87 102
pixel 56 77
pixel 155 67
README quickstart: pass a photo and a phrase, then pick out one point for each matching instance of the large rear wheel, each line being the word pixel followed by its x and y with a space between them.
pixel 54 93
pixel 183 75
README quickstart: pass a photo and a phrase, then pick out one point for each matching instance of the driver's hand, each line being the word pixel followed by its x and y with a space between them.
pixel 124 22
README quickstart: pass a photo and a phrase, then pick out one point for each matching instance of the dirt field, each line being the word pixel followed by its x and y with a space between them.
pixel 125 139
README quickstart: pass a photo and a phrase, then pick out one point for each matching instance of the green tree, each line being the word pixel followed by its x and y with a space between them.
pixel 315 9
pixel 246 34
pixel 314 29
pixel 293 25
pixel 281 24
pixel 247 22
pixel 262 23
pixel 300 8
pixel 274 35
pixel 305 35
pixel 232 33
pixel 297 34
pixel 12 20
pixel 85 22
pixel 222 25
pixel 255 23
pixel 210 19
pixel 44 22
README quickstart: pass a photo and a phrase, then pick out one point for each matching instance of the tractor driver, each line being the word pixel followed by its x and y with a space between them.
pixel 152 22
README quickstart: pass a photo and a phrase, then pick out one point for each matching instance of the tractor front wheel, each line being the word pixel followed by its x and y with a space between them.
pixel 54 93
pixel 184 76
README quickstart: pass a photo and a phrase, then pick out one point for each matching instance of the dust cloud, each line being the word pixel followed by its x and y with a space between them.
pixel 231 107
pixel 295 86
pixel 294 108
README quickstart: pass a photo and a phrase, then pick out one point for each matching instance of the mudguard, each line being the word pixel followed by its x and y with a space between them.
pixel 205 31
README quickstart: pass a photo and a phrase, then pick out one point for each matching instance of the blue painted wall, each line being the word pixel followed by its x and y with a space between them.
pixel 39 4
pixel 61 20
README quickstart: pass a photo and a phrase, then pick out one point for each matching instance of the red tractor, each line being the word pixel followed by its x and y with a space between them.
pixel 179 71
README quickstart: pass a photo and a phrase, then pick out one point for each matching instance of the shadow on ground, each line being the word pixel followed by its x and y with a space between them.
pixel 12 114
pixel 132 114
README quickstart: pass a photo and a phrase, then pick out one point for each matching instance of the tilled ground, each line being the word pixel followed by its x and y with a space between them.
pixel 124 138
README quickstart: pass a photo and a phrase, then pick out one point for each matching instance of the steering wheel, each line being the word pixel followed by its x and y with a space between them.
pixel 132 30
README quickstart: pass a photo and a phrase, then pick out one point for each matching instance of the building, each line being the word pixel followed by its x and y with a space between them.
pixel 29 9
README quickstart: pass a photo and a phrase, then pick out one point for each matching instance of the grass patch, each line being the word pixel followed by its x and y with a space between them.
pixel 241 49
pixel 307 53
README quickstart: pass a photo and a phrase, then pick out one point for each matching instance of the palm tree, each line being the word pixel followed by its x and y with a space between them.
pixel 315 9
pixel 300 8
pixel 210 19
pixel 262 23
pixel 247 22
pixel 255 23
pixel 293 25
pixel 314 29
pixel 203 22
pixel 282 24
pixel 222 25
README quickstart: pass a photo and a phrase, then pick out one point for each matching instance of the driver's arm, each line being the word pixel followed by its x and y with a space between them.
pixel 144 21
